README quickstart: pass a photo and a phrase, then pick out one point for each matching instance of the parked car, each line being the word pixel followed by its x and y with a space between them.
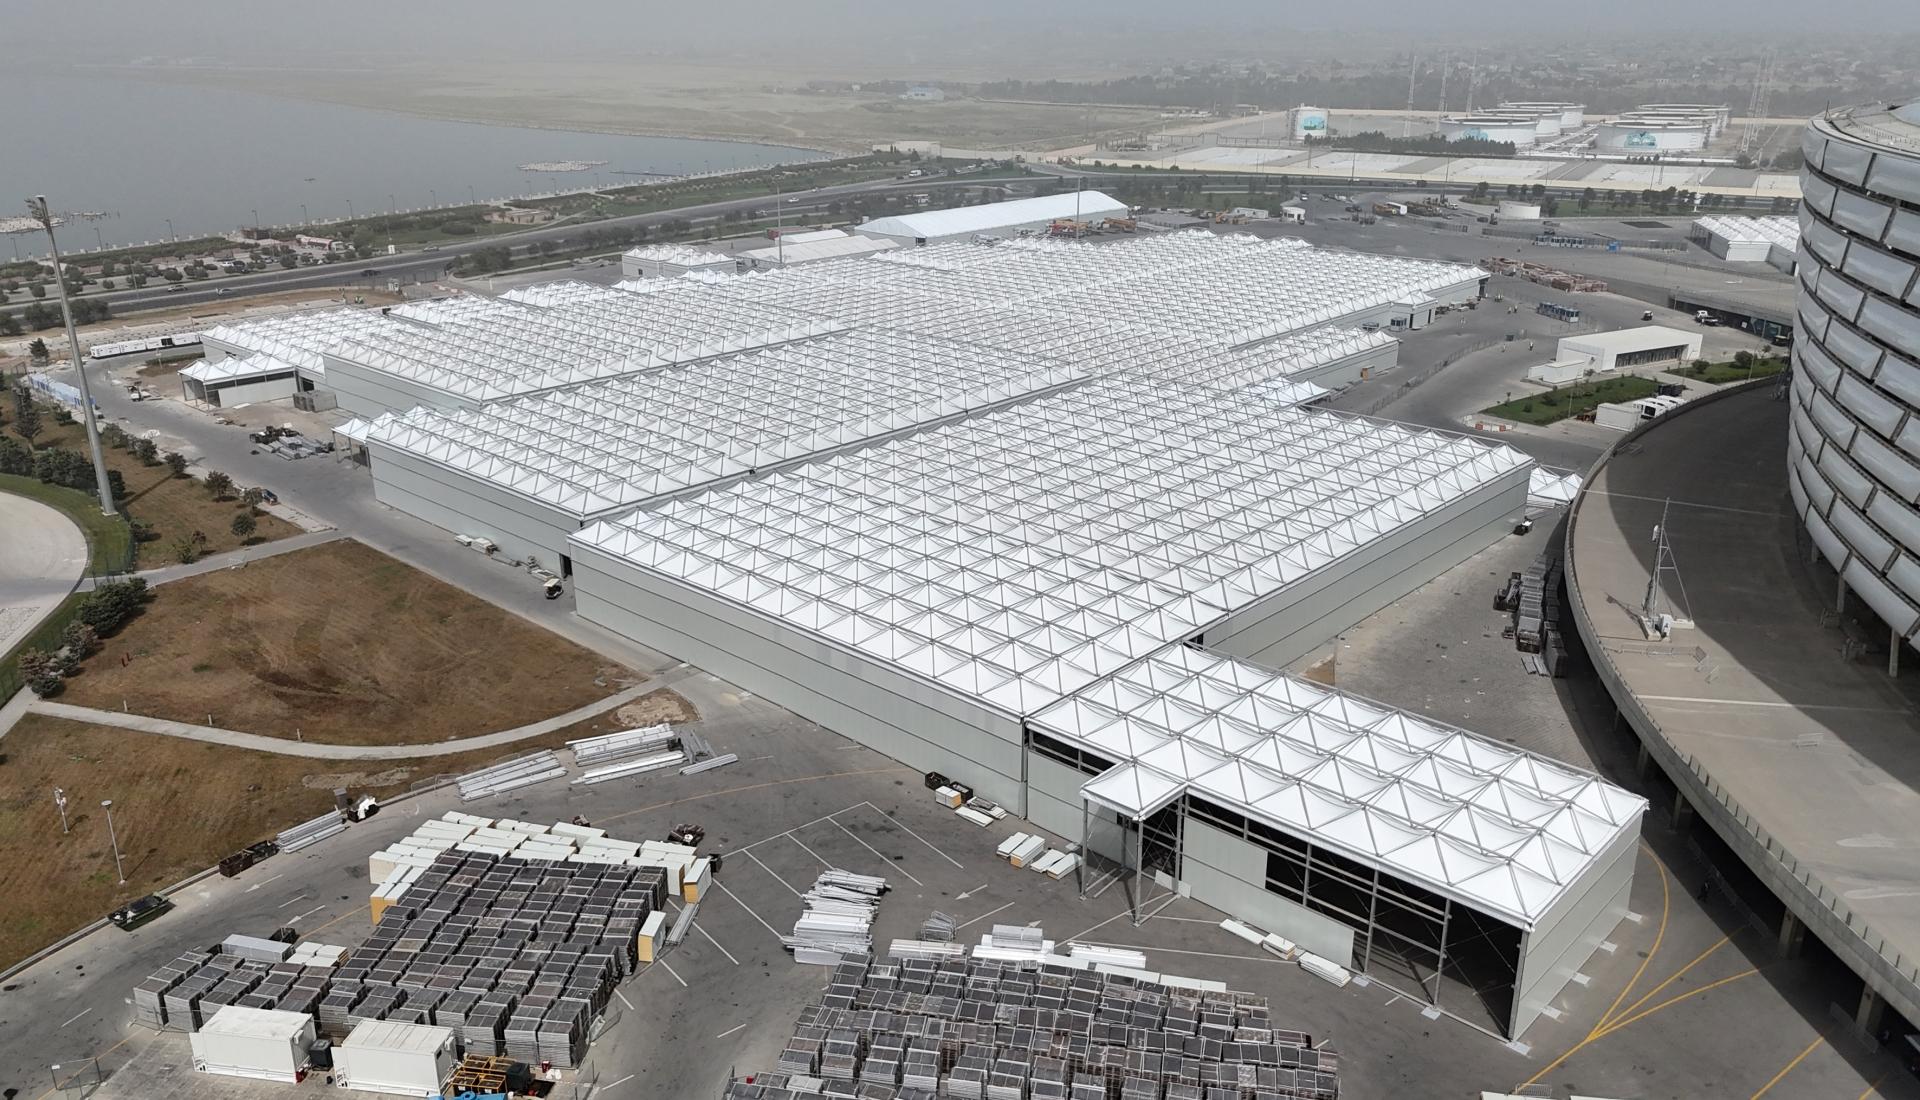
pixel 139 911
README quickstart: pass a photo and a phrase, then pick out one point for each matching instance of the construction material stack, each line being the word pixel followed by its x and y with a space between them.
pixel 626 753
pixel 511 776
pixel 886 1028
pixel 836 919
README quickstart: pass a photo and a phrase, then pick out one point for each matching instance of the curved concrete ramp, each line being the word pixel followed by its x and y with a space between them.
pixel 42 554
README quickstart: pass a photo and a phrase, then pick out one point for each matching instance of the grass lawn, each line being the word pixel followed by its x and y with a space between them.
pixel 107 536
pixel 1546 408
pixel 345 645
pixel 175 506
pixel 1719 374
pixel 179 806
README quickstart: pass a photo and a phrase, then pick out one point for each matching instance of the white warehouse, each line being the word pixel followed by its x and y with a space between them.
pixel 994 218
pixel 1750 240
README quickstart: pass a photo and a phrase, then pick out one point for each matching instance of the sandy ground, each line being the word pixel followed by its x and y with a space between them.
pixel 344 644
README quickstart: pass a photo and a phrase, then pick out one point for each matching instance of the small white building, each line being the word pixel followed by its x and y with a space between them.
pixel 668 261
pixel 387 1056
pixel 259 1043
pixel 1627 348
pixel 994 218
pixel 793 249
pixel 232 382
pixel 1293 215
pixel 1750 240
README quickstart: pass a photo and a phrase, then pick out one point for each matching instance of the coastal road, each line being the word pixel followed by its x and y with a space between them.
pixel 420 265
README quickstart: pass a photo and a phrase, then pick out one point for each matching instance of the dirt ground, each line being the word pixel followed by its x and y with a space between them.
pixel 341 644
pixel 175 506
pixel 651 709
pixel 188 803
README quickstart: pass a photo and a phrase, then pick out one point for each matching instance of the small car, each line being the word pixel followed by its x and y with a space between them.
pixel 139 911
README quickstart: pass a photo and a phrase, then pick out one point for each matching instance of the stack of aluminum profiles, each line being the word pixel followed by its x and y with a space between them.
pixel 511 776
pixel 311 832
pixel 836 919
pixel 626 752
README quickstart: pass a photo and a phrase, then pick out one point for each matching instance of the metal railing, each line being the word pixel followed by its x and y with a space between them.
pixel 1893 967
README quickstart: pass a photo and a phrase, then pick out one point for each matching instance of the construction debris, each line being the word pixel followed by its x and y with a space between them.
pixel 836 919
pixel 311 832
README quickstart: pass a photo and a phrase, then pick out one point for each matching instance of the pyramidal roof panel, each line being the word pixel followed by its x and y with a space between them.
pixel 1504 831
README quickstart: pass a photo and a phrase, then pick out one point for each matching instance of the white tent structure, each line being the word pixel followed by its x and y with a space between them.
pixel 962 222
pixel 1364 834
pixel 234 381
pixel 1773 240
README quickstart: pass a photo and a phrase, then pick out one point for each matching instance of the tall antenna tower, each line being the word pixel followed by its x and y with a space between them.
pixel 1413 72
pixel 1473 79
pixel 1758 104
pixel 1657 615
pixel 1445 64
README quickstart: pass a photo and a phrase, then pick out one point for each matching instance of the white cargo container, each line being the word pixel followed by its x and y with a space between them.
pixel 385 1056
pixel 260 1043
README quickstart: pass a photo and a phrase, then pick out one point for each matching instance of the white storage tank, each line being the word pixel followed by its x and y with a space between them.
pixel 1514 210
pixel 1518 129
pixel 385 1056
pixel 1307 123
pixel 1650 135
pixel 264 1044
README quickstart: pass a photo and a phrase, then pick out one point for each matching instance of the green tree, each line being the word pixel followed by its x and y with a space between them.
pixel 40 671
pixel 243 526
pixel 37 289
pixel 79 639
pixel 176 462
pixel 14 457
pixel 38 349
pixel 116 484
pixel 219 485
pixel 147 451
pixel 253 497
pixel 26 414
pixel 1586 198
pixel 186 551
pixel 9 324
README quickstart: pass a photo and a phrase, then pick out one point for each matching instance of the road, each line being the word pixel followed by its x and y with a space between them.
pixel 421 265
pixel 41 557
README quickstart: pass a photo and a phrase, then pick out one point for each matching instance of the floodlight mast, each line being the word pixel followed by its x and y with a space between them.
pixel 37 208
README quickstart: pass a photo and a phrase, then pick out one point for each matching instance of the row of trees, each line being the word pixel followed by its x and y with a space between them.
pixel 40 315
pixel 99 614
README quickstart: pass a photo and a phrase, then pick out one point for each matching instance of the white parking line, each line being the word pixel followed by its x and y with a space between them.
pixel 676 977
pixel 769 870
pixel 982 917
pixel 914 835
pixel 716 943
pixel 748 908
pixel 291 900
pixel 1171 898
pixel 729 1031
pixel 623 1000
pixel 77 1015
pixel 308 913
pixel 598 1089
pixel 789 835
pixel 883 859
pixel 777 836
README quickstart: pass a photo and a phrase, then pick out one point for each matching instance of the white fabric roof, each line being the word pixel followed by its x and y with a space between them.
pixel 591 448
pixel 236 369
pixel 299 338
pixel 1020 556
pixel 813 251
pixel 682 255
pixel 1740 229
pixel 988 217
pixel 1483 823
pixel 1548 488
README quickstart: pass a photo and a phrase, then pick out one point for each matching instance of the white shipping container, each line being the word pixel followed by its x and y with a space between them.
pixel 385 1056
pixel 260 1043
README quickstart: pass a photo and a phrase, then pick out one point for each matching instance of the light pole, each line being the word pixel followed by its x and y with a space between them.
pixel 113 838
pixel 256 225
pixel 37 207
pixel 171 235
pixel 350 215
pixel 305 218
pixel 435 195
pixel 60 800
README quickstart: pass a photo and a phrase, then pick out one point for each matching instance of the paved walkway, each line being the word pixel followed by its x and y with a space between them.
pixel 41 556
pixel 232 559
pixel 318 751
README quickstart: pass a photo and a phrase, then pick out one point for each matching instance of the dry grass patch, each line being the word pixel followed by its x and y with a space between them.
pixel 179 806
pixel 347 646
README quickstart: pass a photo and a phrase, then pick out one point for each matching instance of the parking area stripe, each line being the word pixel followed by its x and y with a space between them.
pixel 982 916
pixel 676 976
pixel 884 861
pixel 803 844
pixel 913 834
pixel 749 909
pixel 796 828
pixel 770 871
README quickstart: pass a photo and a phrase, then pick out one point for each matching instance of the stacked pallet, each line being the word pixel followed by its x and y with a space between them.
pixel 626 753
pixel 1020 849
pixel 318 954
pixel 836 918
pixel 1015 943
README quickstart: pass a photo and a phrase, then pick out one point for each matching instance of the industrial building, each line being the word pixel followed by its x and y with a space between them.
pixel 812 246
pixel 1629 348
pixel 1773 241
pixel 1038 514
pixel 994 218
pixel 667 261
pixel 1712 117
pixel 235 381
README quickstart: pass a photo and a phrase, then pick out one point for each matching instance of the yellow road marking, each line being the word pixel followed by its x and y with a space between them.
pixel 1871 1089
pixel 1788 1068
pixel 1666 900
pixel 1611 1028
pixel 1675 976
pixel 1671 1001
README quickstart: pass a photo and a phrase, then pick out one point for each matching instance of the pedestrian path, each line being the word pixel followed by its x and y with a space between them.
pixel 232 559
pixel 318 751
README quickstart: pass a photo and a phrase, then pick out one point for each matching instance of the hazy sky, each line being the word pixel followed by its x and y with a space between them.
pixel 112 31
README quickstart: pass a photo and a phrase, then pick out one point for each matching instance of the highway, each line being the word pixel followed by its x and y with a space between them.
pixel 421 265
